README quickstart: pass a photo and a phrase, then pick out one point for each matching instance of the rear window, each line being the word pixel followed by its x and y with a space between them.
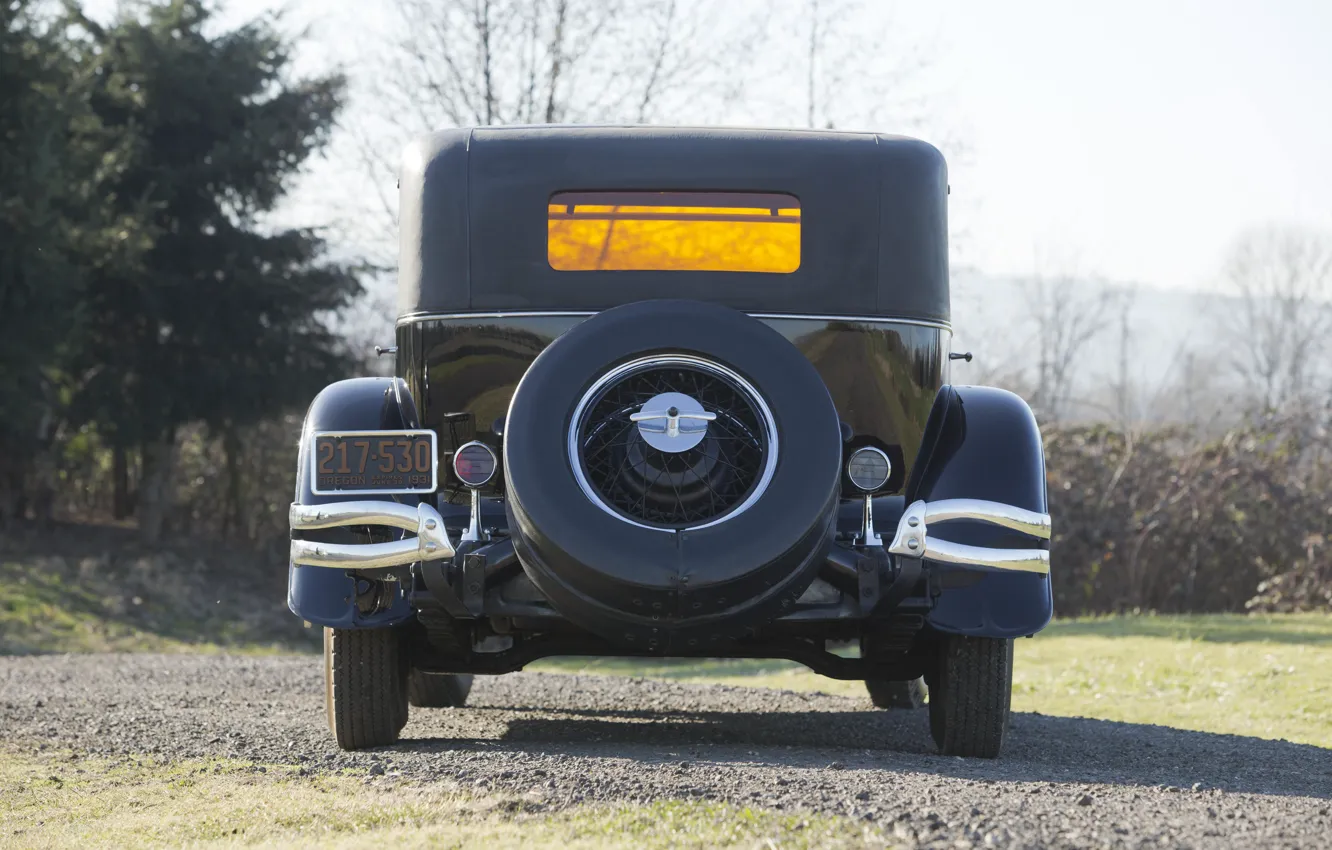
pixel 674 231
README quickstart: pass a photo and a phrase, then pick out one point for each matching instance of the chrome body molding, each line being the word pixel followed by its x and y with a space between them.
pixel 912 539
pixel 430 544
pixel 538 314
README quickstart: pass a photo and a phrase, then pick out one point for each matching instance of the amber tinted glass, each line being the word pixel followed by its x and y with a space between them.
pixel 674 231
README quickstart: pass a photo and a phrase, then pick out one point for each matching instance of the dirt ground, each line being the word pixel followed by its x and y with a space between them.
pixel 566 740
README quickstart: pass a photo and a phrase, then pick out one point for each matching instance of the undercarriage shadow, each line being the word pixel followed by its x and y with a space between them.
pixel 1038 748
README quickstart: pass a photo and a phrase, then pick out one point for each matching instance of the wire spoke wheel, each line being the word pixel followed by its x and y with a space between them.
pixel 703 481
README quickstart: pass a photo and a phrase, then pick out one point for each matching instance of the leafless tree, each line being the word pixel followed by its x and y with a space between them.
pixel 430 64
pixel 856 72
pixel 450 63
pixel 1067 314
pixel 1277 325
pixel 1124 400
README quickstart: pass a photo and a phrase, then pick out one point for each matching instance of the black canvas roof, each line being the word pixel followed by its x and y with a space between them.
pixel 473 218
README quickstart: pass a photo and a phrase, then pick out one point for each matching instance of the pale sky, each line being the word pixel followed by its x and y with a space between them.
pixel 1132 139
pixel 1140 136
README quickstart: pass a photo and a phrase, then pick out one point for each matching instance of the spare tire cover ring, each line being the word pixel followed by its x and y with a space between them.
pixel 768 421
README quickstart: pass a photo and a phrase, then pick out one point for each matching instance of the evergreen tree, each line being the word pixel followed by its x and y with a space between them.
pixel 223 321
pixel 51 221
pixel 33 279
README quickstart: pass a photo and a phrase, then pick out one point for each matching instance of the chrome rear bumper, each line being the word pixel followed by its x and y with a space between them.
pixel 430 544
pixel 912 539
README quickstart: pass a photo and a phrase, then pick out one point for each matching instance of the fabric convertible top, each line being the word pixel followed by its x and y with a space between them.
pixel 474 206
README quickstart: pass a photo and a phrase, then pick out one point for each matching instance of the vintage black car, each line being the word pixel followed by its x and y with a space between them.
pixel 671 392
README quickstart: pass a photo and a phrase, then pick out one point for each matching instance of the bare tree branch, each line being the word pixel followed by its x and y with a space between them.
pixel 1068 314
pixel 1281 280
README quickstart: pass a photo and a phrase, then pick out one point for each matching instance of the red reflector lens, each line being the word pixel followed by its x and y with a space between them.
pixel 474 464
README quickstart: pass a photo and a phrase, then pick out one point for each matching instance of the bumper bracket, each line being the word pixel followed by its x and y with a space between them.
pixel 912 539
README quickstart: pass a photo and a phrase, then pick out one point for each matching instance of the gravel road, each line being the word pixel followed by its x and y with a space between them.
pixel 565 739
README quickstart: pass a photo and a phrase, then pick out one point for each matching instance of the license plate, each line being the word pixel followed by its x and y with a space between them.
pixel 357 462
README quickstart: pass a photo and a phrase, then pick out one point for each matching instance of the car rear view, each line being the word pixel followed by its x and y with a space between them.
pixel 671 392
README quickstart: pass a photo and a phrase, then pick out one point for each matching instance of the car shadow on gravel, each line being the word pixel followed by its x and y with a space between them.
pixel 1038 749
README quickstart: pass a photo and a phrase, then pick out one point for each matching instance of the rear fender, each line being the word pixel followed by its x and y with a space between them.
pixel 324 596
pixel 983 443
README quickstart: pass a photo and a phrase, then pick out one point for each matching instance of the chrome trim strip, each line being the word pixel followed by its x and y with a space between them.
pixel 503 314
pixel 924 323
pixel 539 314
pixel 1022 560
pixel 1018 519
pixel 765 412
pixel 434 458
pixel 912 539
pixel 430 544
pixel 337 514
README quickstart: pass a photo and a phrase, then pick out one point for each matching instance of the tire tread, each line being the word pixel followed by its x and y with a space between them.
pixel 971 695
pixel 365 686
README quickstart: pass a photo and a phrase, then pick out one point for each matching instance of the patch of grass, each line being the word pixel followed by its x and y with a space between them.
pixel 1262 676
pixel 65 801
pixel 92 589
pixel 41 612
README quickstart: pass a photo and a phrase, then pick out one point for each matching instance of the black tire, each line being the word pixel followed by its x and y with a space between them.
pixel 888 694
pixel 970 691
pixel 365 679
pixel 436 690
pixel 657 589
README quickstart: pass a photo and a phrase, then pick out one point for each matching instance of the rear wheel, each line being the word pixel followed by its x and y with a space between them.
pixel 970 689
pixel 365 678
pixel 436 690
pixel 888 694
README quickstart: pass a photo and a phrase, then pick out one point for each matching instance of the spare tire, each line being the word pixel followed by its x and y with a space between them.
pixel 679 528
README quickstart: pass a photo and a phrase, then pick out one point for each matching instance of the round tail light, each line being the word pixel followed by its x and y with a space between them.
pixel 869 468
pixel 474 464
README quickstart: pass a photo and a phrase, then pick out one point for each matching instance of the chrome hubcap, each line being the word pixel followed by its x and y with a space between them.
pixel 672 422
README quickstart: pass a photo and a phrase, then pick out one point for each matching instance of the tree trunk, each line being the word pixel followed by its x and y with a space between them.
pixel 120 501
pixel 231 452
pixel 155 487
pixel 13 505
pixel 42 484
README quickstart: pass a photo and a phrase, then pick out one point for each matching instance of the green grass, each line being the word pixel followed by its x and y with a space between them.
pixel 1263 676
pixel 41 612
pixel 145 602
pixel 62 800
